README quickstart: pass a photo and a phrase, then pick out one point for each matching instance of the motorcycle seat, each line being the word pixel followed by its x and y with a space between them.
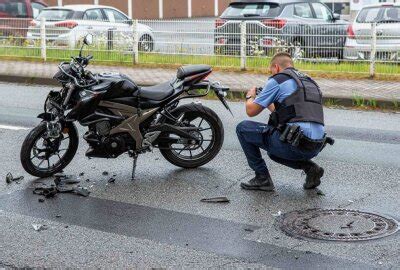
pixel 158 92
pixel 187 71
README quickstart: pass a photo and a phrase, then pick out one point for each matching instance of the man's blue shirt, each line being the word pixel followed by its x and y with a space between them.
pixel 275 91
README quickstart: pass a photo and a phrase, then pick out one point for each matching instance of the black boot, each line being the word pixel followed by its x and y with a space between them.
pixel 260 182
pixel 314 174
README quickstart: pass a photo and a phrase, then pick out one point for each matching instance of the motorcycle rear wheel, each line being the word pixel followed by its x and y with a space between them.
pixel 30 146
pixel 191 112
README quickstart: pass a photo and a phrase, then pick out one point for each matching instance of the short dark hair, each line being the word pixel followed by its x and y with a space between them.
pixel 282 59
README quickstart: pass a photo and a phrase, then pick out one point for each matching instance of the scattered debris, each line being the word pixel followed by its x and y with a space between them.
pixel 62 179
pixel 41 200
pixel 111 180
pixel 66 226
pixel 215 200
pixel 380 263
pixel 249 230
pixel 82 174
pixel 277 237
pixel 81 191
pixel 47 192
pixel 105 173
pixel 39 227
pixel 10 178
pixel 87 180
pixel 296 257
pixel 350 201
pixel 58 216
pixel 320 193
pixel 278 214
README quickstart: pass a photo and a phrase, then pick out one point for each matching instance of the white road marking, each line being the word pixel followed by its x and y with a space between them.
pixel 13 127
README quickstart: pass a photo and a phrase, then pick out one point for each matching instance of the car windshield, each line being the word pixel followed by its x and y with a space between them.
pixel 13 8
pixel 252 10
pixel 379 14
pixel 55 14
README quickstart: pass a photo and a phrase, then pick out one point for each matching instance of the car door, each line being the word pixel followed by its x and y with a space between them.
pixel 304 18
pixel 121 27
pixel 328 32
pixel 93 21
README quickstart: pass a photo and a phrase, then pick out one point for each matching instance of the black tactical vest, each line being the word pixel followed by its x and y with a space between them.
pixel 304 105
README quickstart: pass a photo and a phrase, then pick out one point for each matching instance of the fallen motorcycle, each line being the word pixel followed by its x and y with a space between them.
pixel 123 117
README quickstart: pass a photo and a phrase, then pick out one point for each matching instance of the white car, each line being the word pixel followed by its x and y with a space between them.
pixel 67 25
pixel 359 34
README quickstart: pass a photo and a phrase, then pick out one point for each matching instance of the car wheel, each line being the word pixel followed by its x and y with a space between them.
pixel 146 44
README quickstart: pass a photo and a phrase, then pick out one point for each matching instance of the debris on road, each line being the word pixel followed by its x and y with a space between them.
pixel 47 192
pixel 111 180
pixel 215 200
pixel 249 230
pixel 10 178
pixel 39 227
pixel 320 193
pixel 41 200
pixel 105 173
pixel 278 214
pixel 81 174
pixel 81 191
pixel 61 179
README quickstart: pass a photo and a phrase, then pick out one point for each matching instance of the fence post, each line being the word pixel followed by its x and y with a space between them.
pixel 43 38
pixel 135 42
pixel 373 50
pixel 243 44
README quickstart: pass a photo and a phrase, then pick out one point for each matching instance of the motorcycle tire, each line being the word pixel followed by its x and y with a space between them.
pixel 192 111
pixel 30 142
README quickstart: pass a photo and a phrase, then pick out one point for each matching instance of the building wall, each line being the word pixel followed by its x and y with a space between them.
pixel 148 9
pixel 176 8
pixel 145 9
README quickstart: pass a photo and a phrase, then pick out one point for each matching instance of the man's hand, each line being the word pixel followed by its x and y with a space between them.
pixel 252 92
pixel 252 109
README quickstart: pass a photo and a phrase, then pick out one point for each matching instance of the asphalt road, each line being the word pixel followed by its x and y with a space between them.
pixel 159 221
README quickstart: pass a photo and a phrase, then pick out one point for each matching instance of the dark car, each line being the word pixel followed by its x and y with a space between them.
pixel 304 28
pixel 15 16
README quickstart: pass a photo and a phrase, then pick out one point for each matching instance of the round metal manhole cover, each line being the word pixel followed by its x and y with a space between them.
pixel 337 225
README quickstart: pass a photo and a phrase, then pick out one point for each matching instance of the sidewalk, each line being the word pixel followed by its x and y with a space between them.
pixel 36 72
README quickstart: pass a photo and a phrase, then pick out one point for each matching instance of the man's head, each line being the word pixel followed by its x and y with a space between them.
pixel 279 62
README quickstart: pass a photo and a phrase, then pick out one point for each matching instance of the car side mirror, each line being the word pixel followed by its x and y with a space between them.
pixel 130 22
pixel 88 40
pixel 336 16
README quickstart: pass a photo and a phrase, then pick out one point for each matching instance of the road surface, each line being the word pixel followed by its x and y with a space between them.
pixel 159 221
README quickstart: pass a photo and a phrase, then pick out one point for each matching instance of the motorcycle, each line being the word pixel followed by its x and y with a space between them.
pixel 123 117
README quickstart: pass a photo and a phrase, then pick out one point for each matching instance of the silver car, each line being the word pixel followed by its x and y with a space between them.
pixel 359 34
pixel 67 25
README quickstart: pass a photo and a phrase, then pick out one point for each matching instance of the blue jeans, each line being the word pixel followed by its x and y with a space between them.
pixel 254 136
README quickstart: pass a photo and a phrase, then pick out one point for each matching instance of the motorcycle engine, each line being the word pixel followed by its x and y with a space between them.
pixel 114 146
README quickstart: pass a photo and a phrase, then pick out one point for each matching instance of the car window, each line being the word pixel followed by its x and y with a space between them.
pixel 115 16
pixel 391 14
pixel 368 15
pixel 93 15
pixel 303 10
pixel 13 8
pixel 262 10
pixel 55 14
pixel 322 12
pixel 37 8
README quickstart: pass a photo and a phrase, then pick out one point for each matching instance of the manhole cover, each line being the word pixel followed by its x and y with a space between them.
pixel 337 225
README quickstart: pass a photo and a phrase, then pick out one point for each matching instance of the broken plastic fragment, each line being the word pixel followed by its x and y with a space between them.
pixel 216 200
pixel 111 180
pixel 39 227
pixel 105 173
pixel 278 214
pixel 10 178
pixel 81 191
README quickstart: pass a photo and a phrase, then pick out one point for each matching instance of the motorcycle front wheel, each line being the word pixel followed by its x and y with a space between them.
pixel 42 156
pixel 210 136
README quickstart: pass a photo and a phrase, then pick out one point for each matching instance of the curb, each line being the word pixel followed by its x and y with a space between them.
pixel 235 93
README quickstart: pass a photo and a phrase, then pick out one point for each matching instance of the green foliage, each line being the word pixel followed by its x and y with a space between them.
pixel 358 101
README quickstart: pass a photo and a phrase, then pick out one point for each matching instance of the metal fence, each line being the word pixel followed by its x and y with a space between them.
pixel 327 48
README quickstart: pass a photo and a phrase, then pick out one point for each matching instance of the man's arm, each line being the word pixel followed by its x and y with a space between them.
pixel 252 108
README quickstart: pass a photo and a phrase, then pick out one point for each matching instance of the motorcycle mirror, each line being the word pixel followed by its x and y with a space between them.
pixel 88 40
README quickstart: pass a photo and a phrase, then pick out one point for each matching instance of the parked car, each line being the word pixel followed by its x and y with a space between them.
pixel 15 15
pixel 304 27
pixel 359 34
pixel 67 25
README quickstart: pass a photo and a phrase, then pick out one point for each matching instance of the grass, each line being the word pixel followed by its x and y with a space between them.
pixel 342 70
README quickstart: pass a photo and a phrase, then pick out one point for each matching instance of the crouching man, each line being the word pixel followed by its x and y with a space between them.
pixel 295 132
